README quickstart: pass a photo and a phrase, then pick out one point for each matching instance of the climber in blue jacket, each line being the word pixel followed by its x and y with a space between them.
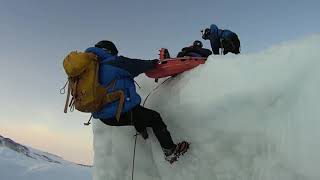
pixel 225 39
pixel 124 70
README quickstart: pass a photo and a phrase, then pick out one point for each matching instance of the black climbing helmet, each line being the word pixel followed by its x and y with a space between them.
pixel 107 46
pixel 205 33
pixel 197 43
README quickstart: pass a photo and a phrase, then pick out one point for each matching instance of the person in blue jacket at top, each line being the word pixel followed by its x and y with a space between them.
pixel 124 70
pixel 225 39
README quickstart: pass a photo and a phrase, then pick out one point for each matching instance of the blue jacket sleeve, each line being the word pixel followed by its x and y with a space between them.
pixel 133 66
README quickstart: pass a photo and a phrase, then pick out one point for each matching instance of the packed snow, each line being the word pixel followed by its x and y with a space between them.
pixel 19 162
pixel 248 117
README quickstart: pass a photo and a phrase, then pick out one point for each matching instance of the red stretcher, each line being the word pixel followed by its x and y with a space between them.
pixel 174 66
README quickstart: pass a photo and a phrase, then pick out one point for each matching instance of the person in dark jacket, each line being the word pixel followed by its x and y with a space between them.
pixel 225 39
pixel 124 70
pixel 195 50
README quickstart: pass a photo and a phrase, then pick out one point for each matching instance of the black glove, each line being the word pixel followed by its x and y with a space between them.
pixel 155 61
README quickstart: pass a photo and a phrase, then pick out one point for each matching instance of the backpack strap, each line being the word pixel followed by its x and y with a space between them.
pixel 67 100
pixel 113 96
pixel 71 91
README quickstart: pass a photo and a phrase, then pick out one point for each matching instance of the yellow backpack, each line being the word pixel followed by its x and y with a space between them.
pixel 88 95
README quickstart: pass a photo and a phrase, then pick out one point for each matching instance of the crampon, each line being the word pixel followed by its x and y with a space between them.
pixel 180 149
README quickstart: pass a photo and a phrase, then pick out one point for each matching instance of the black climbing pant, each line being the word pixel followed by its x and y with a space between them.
pixel 141 118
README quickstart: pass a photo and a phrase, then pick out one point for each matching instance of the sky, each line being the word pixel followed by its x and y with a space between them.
pixel 36 35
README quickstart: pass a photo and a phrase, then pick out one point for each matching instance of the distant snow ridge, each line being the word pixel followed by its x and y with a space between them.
pixel 20 162
pixel 248 117
pixel 14 146
pixel 7 142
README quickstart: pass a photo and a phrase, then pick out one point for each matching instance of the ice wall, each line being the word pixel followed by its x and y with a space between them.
pixel 250 116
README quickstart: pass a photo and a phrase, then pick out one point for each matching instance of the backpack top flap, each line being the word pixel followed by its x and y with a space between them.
pixel 76 62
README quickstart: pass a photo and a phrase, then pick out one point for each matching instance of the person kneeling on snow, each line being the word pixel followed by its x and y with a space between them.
pixel 123 70
pixel 227 40
pixel 195 50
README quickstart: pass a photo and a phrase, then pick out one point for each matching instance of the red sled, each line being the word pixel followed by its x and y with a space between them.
pixel 174 66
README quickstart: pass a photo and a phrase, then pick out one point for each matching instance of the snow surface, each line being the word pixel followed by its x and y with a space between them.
pixel 248 117
pixel 38 165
